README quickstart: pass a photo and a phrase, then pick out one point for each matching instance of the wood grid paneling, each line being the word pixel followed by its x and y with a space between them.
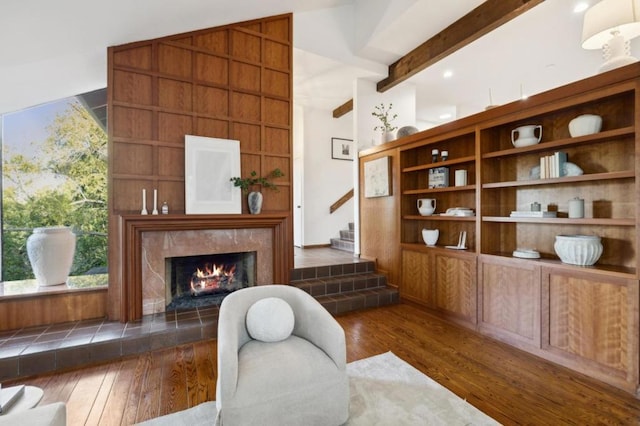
pixel 230 82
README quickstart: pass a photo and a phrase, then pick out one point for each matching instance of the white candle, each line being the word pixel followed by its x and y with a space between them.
pixel 144 202
pixel 155 201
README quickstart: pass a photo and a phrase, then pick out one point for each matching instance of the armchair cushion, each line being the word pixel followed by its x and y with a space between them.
pixel 270 320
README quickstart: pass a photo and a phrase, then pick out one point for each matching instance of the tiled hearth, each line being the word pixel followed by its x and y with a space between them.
pixel 39 350
pixel 347 284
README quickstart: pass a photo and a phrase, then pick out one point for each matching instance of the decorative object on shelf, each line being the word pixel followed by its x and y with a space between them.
pixel 526 135
pixel 426 206
pixel 460 177
pixel 585 124
pixel 209 165
pixel 165 208
pixel 144 202
pixel 439 177
pixel 582 250
pixel 254 198
pixel 342 149
pixel 576 208
pixel 569 169
pixel 377 177
pixel 430 236
pixel 155 202
pixel 536 206
pixel 533 213
pixel 462 242
pixel 458 211
pixel 610 25
pixel 50 251
pixel 434 155
pixel 444 155
pixel 406 131
pixel 383 113
pixel 526 253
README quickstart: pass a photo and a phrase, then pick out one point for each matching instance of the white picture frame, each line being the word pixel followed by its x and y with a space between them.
pixel 210 163
pixel 377 177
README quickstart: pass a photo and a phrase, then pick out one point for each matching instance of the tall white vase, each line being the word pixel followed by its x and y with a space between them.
pixel 254 200
pixel 50 251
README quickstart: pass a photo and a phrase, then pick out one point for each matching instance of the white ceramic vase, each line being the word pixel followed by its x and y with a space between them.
pixel 254 200
pixel 50 251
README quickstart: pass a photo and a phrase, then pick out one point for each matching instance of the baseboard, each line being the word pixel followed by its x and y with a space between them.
pixel 315 246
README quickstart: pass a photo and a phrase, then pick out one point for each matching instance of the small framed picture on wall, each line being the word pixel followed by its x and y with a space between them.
pixel 342 149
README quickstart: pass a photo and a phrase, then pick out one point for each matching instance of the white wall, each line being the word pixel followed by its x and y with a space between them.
pixel 325 179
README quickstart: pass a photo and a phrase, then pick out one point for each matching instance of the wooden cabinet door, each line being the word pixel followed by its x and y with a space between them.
pixel 593 324
pixel 509 300
pixel 455 286
pixel 417 277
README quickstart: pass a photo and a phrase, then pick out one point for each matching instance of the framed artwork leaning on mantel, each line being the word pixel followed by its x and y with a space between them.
pixel 209 165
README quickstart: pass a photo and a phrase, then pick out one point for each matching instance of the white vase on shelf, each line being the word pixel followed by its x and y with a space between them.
pixel 50 251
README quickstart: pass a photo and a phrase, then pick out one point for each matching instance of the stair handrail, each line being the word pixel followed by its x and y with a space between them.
pixel 346 197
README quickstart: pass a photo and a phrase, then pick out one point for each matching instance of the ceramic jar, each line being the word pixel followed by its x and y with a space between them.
pixel 50 251
pixel 582 250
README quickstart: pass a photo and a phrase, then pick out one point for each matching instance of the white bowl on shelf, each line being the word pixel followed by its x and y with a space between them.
pixel 582 250
pixel 586 124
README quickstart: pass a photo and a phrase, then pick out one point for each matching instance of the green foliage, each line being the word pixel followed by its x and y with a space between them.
pixel 246 183
pixel 66 184
pixel 381 112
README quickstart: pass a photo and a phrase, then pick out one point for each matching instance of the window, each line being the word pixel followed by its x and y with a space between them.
pixel 54 172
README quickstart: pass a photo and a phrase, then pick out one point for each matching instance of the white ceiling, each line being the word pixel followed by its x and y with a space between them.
pixel 54 49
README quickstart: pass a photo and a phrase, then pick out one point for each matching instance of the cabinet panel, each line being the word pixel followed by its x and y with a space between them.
pixel 455 286
pixel 593 321
pixel 417 277
pixel 509 300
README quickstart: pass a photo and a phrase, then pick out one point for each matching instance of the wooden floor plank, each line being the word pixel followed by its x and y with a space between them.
pixel 84 394
pixel 174 385
pixel 511 386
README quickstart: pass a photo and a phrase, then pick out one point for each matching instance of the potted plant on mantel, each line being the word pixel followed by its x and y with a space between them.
pixel 254 198
pixel 382 113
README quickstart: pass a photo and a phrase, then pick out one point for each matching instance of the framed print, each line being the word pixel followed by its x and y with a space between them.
pixel 210 163
pixel 342 149
pixel 377 177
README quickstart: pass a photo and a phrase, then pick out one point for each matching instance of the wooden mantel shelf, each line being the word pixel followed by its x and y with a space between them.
pixel 126 284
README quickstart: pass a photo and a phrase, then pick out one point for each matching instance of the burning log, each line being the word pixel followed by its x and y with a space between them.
pixel 212 279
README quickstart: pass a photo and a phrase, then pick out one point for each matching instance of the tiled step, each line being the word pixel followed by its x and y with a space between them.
pixel 347 235
pixel 343 245
pixel 345 288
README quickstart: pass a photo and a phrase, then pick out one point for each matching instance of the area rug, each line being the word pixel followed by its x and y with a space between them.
pixel 385 390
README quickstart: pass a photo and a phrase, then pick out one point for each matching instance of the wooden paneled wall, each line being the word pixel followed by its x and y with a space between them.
pixel 230 82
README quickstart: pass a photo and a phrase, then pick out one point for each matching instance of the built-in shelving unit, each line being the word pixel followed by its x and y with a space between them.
pixel 583 317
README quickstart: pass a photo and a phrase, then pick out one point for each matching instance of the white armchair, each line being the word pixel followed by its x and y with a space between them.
pixel 300 380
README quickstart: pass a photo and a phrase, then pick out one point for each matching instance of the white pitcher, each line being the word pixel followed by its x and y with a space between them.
pixel 526 135
pixel 426 206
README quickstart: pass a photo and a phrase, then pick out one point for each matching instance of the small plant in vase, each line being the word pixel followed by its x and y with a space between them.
pixel 383 113
pixel 248 184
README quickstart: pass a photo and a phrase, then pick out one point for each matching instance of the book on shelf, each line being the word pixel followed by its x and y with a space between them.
pixel 9 396
pixel 553 166
pixel 527 213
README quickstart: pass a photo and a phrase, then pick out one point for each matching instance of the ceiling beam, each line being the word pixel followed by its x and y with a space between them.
pixel 480 21
pixel 343 109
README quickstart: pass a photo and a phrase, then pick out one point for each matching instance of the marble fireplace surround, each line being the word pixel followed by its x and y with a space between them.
pixel 148 240
pixel 157 246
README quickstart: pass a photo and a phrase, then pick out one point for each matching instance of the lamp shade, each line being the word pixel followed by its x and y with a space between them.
pixel 607 16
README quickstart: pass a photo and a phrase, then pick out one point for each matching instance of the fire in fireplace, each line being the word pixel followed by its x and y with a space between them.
pixel 194 281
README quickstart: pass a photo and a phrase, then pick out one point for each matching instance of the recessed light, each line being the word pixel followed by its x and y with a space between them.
pixel 580 7
pixel 447 74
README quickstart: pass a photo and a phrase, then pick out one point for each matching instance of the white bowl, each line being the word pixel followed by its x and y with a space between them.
pixel 582 250
pixel 586 124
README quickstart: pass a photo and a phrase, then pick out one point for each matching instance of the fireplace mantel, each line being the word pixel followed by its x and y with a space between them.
pixel 125 286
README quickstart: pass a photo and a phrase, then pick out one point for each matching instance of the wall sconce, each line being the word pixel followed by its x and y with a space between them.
pixel 610 25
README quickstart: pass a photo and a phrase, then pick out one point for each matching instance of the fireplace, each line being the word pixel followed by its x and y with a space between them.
pixel 202 280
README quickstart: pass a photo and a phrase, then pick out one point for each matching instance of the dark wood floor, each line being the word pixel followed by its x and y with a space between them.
pixel 509 385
